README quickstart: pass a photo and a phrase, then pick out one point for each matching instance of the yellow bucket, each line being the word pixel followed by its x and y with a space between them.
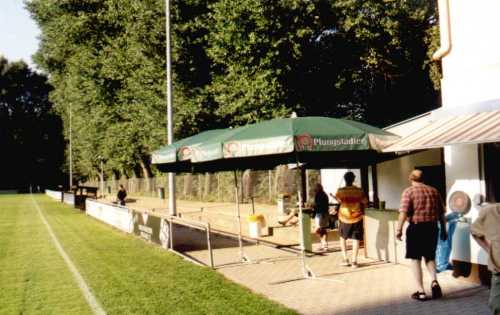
pixel 255 218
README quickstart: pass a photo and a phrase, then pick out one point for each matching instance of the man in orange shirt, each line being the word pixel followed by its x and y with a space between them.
pixel 352 206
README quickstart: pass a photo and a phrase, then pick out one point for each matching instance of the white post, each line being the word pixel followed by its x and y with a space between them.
pixel 171 176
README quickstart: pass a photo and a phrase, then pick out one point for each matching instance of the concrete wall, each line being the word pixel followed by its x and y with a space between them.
pixel 69 199
pixel 462 165
pixel 392 176
pixel 380 232
pixel 151 227
pixel 53 194
pixel 117 216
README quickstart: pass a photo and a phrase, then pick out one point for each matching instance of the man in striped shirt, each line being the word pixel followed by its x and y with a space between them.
pixel 422 207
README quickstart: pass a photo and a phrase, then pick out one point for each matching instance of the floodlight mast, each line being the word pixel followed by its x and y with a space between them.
pixel 70 150
pixel 170 135
pixel 101 160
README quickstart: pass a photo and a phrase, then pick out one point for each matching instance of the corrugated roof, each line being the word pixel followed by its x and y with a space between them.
pixel 481 127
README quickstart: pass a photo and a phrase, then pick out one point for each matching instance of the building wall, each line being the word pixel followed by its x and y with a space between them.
pixel 392 176
pixel 333 179
pixel 462 166
pixel 407 127
pixel 471 70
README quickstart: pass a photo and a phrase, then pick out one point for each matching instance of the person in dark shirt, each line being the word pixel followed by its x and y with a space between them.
pixel 121 196
pixel 321 214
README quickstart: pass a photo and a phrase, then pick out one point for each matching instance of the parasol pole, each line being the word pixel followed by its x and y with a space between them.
pixel 305 269
pixel 307 273
pixel 243 257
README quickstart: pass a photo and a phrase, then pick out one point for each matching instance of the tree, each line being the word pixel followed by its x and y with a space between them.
pixel 344 58
pixel 391 40
pixel 234 62
pixel 30 133
pixel 256 46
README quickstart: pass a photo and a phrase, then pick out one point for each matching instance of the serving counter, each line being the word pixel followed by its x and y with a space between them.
pixel 380 236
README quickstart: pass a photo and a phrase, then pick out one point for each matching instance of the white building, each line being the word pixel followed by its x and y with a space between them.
pixel 464 134
pixel 458 145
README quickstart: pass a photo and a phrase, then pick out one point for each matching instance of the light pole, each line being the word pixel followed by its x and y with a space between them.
pixel 102 176
pixel 171 176
pixel 70 150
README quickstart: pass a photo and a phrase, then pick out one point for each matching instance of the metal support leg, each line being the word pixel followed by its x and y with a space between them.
pixel 209 245
pixel 171 234
pixel 307 273
pixel 243 257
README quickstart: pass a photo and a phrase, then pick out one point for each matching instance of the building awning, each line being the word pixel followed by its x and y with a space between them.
pixel 482 127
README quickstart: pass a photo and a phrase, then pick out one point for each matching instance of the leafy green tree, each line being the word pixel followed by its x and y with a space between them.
pixel 256 46
pixel 234 62
pixel 106 72
pixel 344 58
pixel 390 42
pixel 30 133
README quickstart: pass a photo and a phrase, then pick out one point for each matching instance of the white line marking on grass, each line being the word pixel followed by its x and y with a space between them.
pixel 91 300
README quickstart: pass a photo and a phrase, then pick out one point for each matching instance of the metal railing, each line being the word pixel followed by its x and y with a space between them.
pixel 203 226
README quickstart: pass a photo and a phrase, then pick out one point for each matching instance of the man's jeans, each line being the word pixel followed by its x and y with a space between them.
pixel 495 294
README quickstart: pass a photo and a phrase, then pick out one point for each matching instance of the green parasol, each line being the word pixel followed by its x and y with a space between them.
pixel 177 155
pixel 316 141
pixel 311 141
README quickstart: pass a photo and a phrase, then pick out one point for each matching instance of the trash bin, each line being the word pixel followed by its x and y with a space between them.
pixel 80 202
pixel 60 187
pixel 161 192
pixel 461 248
pixel 306 229
pixel 255 222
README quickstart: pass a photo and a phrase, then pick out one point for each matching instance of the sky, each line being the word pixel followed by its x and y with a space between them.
pixel 18 32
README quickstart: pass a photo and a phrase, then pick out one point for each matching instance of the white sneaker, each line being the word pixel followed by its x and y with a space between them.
pixel 324 246
pixel 345 263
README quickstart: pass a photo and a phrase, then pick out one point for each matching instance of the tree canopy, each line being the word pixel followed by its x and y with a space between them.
pixel 234 62
pixel 30 133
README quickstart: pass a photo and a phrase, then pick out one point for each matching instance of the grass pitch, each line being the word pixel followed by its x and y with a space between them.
pixel 125 274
